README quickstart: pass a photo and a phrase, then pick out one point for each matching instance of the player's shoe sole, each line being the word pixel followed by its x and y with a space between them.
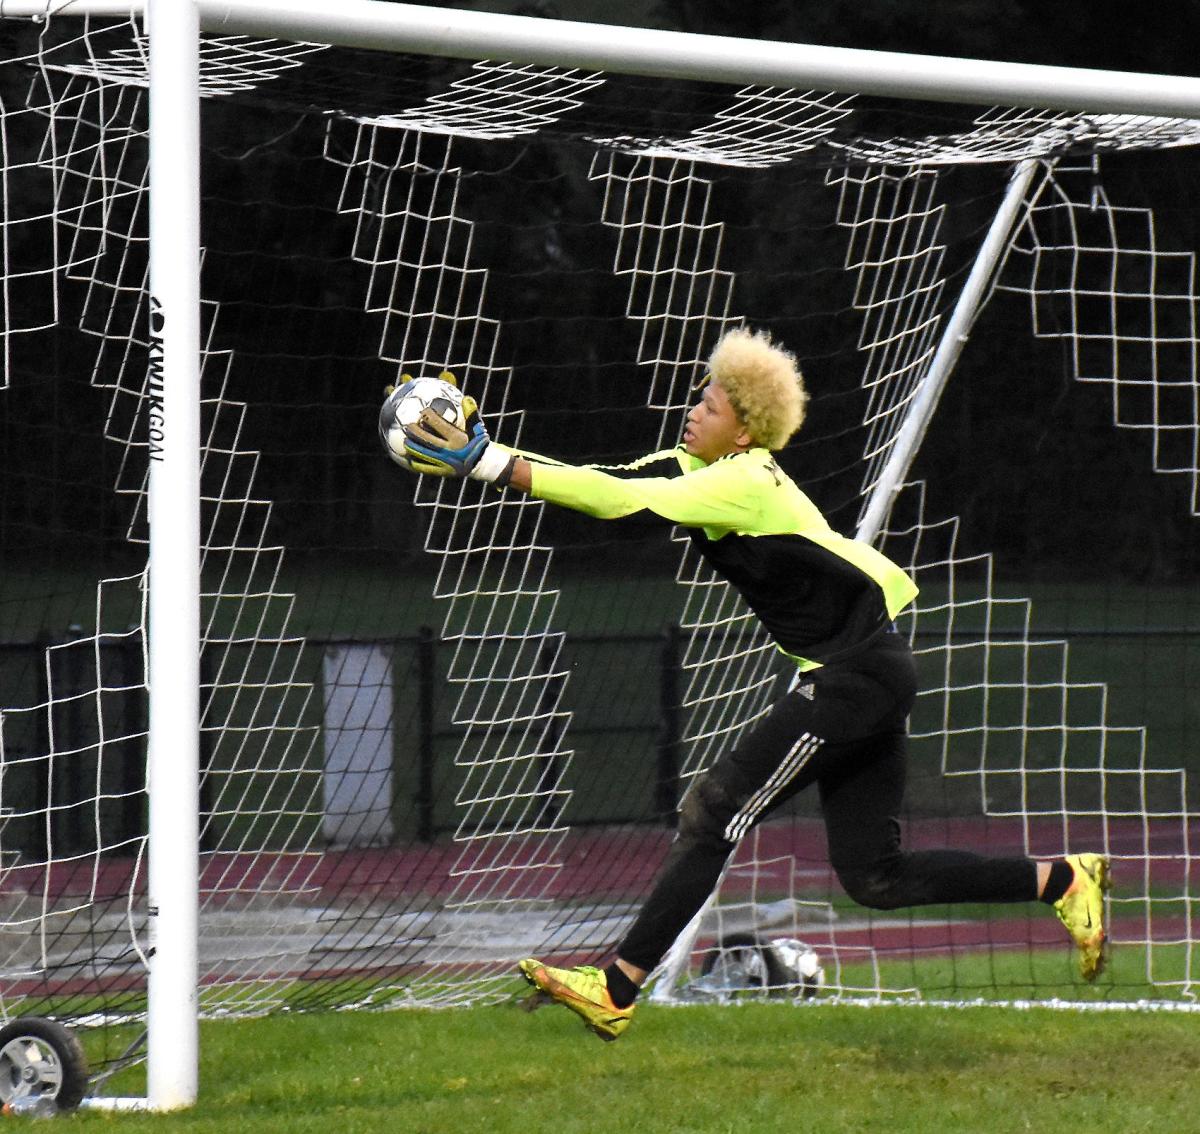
pixel 1081 910
pixel 583 990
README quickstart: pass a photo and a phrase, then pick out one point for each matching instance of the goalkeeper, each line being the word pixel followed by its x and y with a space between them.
pixel 828 603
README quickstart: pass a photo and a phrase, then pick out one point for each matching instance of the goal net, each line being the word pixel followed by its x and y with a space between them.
pixel 443 729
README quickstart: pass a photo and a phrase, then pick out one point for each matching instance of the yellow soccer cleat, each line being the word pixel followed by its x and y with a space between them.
pixel 1081 910
pixel 584 990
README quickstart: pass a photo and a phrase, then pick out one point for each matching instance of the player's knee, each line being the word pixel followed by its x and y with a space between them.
pixel 703 814
pixel 873 886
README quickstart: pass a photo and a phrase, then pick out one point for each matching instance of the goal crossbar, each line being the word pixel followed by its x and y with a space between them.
pixel 462 34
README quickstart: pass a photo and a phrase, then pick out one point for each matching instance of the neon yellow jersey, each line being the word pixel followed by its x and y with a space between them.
pixel 821 596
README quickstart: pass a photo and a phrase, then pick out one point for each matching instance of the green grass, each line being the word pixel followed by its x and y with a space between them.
pixel 1027 974
pixel 753 1068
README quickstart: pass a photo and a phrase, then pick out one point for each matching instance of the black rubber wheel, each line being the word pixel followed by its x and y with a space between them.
pixel 743 962
pixel 41 1057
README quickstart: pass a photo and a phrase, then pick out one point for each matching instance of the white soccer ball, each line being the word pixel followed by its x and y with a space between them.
pixel 404 406
pixel 802 960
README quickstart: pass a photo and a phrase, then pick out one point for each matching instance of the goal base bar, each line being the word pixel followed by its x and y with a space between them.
pixel 116 1104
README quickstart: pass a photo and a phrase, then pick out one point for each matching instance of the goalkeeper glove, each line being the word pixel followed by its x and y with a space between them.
pixel 440 448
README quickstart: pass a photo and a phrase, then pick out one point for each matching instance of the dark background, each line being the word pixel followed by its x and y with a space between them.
pixel 1053 463
pixel 1025 455
pixel 1106 35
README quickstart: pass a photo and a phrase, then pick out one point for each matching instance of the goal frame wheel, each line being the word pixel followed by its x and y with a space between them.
pixel 41 1056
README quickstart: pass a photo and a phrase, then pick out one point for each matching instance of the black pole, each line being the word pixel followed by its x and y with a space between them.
pixel 71 772
pixel 670 708
pixel 426 678
pixel 43 787
pixel 133 755
pixel 208 837
pixel 549 771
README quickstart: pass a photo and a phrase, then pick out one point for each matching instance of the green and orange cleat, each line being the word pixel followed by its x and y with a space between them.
pixel 1081 910
pixel 583 989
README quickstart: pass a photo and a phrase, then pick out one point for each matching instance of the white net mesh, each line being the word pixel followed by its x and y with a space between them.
pixel 1122 299
pixel 444 729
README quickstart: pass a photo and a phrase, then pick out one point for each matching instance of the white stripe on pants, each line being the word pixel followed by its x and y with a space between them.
pixel 789 767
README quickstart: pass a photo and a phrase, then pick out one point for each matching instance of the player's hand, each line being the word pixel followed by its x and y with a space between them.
pixel 440 448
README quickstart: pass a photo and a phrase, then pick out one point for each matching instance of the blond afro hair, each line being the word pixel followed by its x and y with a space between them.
pixel 763 383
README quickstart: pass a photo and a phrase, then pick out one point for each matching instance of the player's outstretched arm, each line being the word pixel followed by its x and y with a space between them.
pixel 438 447
pixel 717 496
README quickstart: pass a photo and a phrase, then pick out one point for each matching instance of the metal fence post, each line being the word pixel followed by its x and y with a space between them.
pixel 549 771
pixel 426 679
pixel 133 725
pixel 207 790
pixel 670 707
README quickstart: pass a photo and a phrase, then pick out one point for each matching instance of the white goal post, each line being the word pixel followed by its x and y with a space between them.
pixel 174 29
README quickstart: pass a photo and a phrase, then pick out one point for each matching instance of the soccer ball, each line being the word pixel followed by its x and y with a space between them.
pixel 404 405
pixel 802 960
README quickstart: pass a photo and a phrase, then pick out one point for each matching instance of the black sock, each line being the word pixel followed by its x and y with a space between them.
pixel 1061 877
pixel 622 990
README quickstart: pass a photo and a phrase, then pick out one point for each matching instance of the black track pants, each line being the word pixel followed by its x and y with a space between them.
pixel 844 729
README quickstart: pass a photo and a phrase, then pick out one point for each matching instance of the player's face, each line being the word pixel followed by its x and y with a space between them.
pixel 713 427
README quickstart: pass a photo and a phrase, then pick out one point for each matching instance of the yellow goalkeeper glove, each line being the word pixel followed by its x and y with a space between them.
pixel 438 447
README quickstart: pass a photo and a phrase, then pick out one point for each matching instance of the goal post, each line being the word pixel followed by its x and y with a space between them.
pixel 173 637
pixel 317 641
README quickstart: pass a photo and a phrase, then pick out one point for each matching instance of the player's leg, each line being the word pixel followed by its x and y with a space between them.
pixel 781 756
pixel 778 758
pixel 826 713
pixel 770 765
pixel 861 797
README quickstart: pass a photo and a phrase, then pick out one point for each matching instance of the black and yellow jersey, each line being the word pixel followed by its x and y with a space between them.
pixel 820 596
